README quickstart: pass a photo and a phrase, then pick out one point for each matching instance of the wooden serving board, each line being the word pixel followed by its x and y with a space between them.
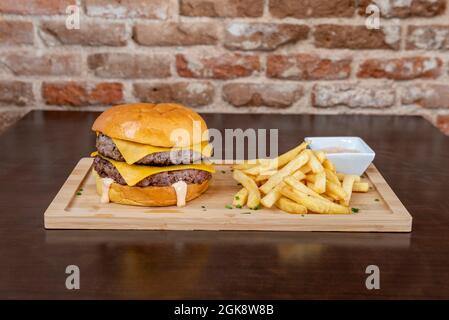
pixel 380 209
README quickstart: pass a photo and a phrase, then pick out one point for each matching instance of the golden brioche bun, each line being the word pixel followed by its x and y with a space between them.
pixel 150 124
pixel 148 196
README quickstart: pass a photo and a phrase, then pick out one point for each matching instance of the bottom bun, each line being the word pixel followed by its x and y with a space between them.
pixel 148 196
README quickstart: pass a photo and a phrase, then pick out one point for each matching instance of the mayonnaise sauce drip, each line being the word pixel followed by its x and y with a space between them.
pixel 106 184
pixel 181 193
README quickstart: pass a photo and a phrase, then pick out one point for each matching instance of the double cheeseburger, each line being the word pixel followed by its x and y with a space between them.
pixel 140 160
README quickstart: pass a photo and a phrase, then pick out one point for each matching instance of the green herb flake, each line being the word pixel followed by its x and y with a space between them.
pixel 228 206
pixel 237 198
pixel 302 215
pixel 355 210
pixel 81 189
pixel 238 206
pixel 78 193
pixel 222 171
pixel 258 207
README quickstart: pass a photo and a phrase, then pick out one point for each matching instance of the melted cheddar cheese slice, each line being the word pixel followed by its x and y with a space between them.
pixel 133 151
pixel 133 173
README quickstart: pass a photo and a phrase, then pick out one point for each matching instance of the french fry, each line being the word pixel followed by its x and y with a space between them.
pixel 240 198
pixel 261 178
pixel 314 163
pixel 270 164
pixel 290 206
pixel 314 204
pixel 311 186
pixel 320 155
pixel 341 176
pixel 327 164
pixel 335 190
pixel 245 165
pixel 301 187
pixel 253 171
pixel 310 177
pixel 305 169
pixel 271 197
pixel 320 182
pixel 347 185
pixel 360 187
pixel 317 182
pixel 332 176
pixel 299 175
pixel 253 191
pixel 288 169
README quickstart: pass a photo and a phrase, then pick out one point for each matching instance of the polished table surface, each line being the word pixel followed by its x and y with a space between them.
pixel 39 152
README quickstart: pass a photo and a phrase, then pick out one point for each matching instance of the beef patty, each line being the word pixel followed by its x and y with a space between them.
pixel 106 170
pixel 106 147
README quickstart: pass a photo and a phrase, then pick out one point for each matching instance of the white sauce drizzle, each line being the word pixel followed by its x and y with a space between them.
pixel 181 192
pixel 106 184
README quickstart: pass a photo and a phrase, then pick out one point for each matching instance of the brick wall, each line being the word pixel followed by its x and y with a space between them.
pixel 287 56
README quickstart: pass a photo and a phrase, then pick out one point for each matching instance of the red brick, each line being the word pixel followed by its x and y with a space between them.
pixel 406 9
pixel 221 8
pixel 176 34
pixel 401 68
pixel 443 123
pixel 258 94
pixel 16 32
pixel 16 93
pixel 357 37
pixel 224 66
pixel 154 9
pixel 31 63
pixel 128 65
pixel 192 94
pixel 307 67
pixel 81 94
pixel 35 7
pixel 262 36
pixel 426 95
pixel 433 37
pixel 352 95
pixel 89 34
pixel 312 8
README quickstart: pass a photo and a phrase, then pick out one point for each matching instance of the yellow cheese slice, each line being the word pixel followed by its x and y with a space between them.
pixel 133 173
pixel 133 151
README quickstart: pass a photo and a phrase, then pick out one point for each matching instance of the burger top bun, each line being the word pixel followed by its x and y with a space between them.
pixel 160 125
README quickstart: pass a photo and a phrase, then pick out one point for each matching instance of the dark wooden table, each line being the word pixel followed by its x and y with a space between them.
pixel 40 151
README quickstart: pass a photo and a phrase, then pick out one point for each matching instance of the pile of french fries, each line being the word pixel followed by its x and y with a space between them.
pixel 299 181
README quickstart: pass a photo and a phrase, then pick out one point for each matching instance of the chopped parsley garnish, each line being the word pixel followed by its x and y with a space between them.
pixel 258 207
pixel 228 206
pixel 355 210
pixel 78 193
pixel 238 206
pixel 222 171
pixel 237 198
